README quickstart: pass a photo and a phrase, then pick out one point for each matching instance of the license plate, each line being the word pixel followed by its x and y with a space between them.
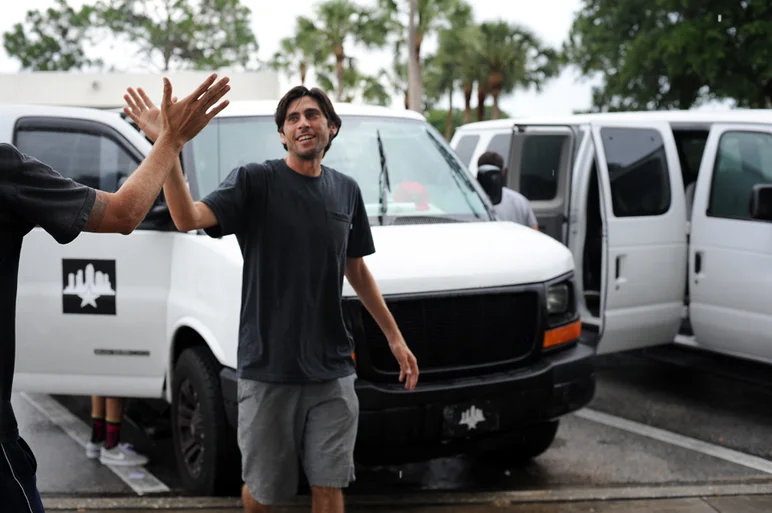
pixel 470 418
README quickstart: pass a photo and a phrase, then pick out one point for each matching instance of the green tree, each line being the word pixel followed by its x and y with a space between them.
pixel 297 54
pixel 184 34
pixel 338 24
pixel 513 57
pixel 54 39
pixel 674 53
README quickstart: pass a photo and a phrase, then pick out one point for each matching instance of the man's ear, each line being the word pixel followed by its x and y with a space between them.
pixel 333 130
pixel 282 137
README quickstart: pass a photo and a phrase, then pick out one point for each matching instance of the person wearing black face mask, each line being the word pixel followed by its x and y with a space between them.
pixel 512 206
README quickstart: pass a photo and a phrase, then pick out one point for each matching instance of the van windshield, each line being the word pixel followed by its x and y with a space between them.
pixel 427 180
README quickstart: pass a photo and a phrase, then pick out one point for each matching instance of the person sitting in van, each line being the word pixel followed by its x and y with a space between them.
pixel 513 205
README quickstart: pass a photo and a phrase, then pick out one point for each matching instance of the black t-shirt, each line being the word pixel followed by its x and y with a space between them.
pixel 295 233
pixel 31 194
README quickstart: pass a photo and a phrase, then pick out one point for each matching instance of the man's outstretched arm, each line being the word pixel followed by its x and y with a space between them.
pixel 123 211
pixel 186 213
pixel 180 121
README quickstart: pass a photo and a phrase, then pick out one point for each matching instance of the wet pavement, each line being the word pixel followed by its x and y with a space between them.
pixel 743 504
pixel 655 424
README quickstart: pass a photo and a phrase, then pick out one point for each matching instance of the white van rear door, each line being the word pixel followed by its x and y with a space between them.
pixel 541 158
pixel 730 255
pixel 645 224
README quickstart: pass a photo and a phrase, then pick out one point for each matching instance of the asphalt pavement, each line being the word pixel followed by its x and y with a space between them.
pixel 690 434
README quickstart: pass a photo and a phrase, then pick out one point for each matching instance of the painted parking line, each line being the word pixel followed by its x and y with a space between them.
pixel 138 479
pixel 739 458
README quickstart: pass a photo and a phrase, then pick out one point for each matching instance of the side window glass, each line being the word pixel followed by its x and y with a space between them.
pixel 93 160
pixel 743 160
pixel 465 148
pixel 541 159
pixel 638 171
pixel 500 144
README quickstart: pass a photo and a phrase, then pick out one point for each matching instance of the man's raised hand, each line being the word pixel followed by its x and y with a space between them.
pixel 182 120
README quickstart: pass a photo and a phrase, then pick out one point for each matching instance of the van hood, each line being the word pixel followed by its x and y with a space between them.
pixel 456 256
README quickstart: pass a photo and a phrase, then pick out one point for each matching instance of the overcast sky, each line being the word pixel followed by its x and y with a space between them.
pixel 273 20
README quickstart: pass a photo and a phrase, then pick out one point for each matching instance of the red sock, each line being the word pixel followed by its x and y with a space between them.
pixel 97 429
pixel 113 434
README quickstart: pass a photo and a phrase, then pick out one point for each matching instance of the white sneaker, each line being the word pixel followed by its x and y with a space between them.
pixel 93 450
pixel 122 455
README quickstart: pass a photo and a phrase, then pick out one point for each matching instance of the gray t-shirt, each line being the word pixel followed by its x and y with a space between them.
pixel 514 207
pixel 295 233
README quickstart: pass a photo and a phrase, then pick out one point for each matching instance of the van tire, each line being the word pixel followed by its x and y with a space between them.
pixel 531 442
pixel 197 401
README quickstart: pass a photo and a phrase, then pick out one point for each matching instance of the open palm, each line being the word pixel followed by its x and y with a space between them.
pixel 144 113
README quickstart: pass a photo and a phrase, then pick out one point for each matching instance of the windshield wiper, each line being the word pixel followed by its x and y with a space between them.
pixel 456 172
pixel 383 180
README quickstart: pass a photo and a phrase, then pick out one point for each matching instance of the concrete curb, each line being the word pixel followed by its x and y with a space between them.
pixel 427 498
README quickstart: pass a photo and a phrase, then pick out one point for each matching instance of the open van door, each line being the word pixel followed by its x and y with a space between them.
pixel 644 271
pixel 730 261
pixel 541 158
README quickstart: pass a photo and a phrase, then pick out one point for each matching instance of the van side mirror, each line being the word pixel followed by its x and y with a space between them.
pixel 491 180
pixel 761 202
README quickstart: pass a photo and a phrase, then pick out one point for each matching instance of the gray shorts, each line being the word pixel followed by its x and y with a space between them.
pixel 282 427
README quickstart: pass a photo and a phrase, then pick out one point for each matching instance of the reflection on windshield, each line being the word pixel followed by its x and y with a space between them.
pixel 425 177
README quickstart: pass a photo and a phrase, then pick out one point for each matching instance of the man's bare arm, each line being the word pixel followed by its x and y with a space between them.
pixel 123 211
pixel 186 214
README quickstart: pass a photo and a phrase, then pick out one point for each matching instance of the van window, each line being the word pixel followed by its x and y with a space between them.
pixel 541 158
pixel 743 160
pixel 465 148
pixel 90 159
pixel 426 176
pixel 638 171
pixel 500 144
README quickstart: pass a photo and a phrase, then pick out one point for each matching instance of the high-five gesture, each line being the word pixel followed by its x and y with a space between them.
pixel 178 121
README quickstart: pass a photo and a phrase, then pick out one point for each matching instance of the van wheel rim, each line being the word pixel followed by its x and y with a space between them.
pixel 190 428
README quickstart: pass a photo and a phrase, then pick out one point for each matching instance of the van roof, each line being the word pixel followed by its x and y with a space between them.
pixel 268 107
pixel 670 116
pixel 234 109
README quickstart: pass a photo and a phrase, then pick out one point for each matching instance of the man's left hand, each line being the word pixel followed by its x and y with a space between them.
pixel 408 366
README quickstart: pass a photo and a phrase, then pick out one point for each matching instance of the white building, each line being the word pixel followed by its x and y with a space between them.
pixel 106 90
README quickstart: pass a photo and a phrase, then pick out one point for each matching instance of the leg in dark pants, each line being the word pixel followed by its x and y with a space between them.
pixel 18 483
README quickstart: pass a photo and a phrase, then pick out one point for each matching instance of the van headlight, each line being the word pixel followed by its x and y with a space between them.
pixel 558 298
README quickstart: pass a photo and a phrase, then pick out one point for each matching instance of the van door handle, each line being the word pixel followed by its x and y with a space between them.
pixel 697 262
pixel 618 271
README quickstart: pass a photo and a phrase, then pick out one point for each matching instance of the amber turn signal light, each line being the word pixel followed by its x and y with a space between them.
pixel 562 335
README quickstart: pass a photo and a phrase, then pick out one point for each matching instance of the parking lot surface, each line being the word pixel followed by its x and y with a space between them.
pixel 688 431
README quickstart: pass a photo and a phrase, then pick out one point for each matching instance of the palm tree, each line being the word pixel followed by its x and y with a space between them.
pixel 338 23
pixel 513 57
pixel 456 44
pixel 297 54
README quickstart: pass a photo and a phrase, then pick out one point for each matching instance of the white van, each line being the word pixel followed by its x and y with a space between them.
pixel 666 213
pixel 489 308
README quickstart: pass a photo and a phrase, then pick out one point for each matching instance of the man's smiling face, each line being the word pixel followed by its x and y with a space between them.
pixel 306 131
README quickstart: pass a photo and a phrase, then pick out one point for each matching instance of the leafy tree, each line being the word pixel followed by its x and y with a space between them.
pixel 514 57
pixel 53 40
pixel 198 34
pixel 338 24
pixel 674 53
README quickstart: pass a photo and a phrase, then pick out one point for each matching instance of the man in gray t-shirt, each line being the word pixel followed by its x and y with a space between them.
pixel 513 206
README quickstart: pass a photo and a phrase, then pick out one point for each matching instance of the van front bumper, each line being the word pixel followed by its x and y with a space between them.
pixel 470 414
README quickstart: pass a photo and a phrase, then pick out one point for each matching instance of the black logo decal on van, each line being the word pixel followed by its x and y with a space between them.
pixel 88 287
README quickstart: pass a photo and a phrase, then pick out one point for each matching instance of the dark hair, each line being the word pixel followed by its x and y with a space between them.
pixel 324 104
pixel 491 158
